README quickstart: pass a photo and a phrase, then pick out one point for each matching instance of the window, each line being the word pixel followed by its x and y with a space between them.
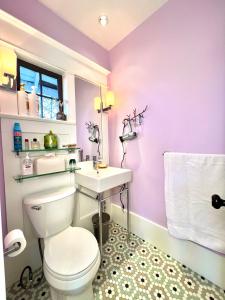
pixel 48 87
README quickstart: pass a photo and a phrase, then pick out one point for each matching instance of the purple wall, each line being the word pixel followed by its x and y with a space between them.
pixel 85 94
pixel 40 17
pixel 175 63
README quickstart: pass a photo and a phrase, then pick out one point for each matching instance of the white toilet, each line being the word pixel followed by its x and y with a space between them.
pixel 71 254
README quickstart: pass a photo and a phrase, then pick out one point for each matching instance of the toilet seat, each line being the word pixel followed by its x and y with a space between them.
pixel 75 285
pixel 70 277
pixel 71 253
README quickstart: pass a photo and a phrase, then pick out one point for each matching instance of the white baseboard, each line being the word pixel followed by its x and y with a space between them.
pixel 202 260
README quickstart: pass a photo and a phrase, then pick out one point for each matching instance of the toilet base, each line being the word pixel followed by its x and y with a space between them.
pixel 87 293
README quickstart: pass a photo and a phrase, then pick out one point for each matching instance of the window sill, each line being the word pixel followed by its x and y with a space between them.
pixel 27 118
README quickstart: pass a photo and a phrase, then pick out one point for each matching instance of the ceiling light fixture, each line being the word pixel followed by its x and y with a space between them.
pixel 103 20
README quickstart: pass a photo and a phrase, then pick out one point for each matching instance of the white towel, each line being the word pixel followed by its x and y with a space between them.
pixel 190 182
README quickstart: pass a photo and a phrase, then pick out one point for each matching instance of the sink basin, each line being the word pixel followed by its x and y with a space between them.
pixel 106 179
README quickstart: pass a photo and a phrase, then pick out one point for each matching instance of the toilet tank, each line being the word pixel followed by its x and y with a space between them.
pixel 50 211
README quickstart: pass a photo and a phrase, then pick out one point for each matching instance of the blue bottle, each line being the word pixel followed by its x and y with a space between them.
pixel 17 137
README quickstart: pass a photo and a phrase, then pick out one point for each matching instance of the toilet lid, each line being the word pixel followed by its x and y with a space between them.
pixel 71 251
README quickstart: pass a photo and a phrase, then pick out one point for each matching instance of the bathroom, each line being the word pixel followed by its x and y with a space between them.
pixel 136 102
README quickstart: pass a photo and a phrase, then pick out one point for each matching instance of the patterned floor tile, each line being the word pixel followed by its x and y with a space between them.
pixel 135 270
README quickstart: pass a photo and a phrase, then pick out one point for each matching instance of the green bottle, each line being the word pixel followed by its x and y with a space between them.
pixel 50 141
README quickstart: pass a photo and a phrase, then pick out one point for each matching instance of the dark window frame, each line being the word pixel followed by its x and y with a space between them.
pixel 41 71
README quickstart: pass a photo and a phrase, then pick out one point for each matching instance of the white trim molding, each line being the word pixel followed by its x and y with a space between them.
pixel 30 43
pixel 207 263
pixel 33 119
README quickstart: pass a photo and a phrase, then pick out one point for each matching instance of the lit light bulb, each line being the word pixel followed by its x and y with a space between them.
pixel 8 69
pixel 103 20
pixel 97 103
pixel 110 98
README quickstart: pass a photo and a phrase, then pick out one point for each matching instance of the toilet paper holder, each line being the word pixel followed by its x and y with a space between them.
pixel 15 247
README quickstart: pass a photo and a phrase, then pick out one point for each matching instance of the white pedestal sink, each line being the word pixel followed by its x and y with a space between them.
pixel 104 180
pixel 101 181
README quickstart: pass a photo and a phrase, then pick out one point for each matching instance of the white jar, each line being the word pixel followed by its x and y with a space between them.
pixel 33 103
pixel 23 101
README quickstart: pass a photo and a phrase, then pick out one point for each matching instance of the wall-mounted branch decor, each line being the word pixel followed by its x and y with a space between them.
pixel 128 123
pixel 94 137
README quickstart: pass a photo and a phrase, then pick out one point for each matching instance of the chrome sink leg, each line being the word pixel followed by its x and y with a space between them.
pixel 128 212
pixel 100 197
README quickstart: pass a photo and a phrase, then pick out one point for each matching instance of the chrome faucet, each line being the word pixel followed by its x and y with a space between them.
pixel 96 163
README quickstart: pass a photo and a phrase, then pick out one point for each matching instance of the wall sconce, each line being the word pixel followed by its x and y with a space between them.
pixel 105 105
pixel 8 67
pixel 97 103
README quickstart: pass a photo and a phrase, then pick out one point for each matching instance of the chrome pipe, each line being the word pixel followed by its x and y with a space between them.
pixel 97 198
pixel 15 247
pixel 87 195
pixel 100 221
pixel 128 212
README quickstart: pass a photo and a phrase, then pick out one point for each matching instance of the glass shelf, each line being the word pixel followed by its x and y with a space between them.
pixel 20 178
pixel 46 150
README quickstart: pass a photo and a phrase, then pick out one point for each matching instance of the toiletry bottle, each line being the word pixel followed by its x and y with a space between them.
pixel 33 103
pixel 35 144
pixel 26 144
pixel 50 141
pixel 81 155
pixel 23 101
pixel 27 165
pixel 17 137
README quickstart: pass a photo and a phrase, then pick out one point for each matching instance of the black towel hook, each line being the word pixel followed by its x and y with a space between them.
pixel 217 202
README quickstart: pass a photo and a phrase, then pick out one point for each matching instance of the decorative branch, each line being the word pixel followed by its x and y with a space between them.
pixel 90 126
pixel 136 116
pixel 130 135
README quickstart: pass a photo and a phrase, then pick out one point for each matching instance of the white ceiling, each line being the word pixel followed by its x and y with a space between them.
pixel 124 16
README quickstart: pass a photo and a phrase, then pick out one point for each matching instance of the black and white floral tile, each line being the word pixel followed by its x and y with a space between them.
pixel 135 270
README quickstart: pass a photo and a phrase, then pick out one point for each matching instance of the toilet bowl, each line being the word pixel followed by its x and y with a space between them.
pixel 71 261
pixel 71 254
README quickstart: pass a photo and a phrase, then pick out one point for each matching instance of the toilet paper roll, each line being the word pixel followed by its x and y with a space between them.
pixel 15 236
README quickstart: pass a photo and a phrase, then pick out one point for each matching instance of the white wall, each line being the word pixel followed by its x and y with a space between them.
pixel 16 218
pixel 15 192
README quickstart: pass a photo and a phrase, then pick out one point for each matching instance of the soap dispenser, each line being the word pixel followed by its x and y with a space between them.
pixel 27 165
